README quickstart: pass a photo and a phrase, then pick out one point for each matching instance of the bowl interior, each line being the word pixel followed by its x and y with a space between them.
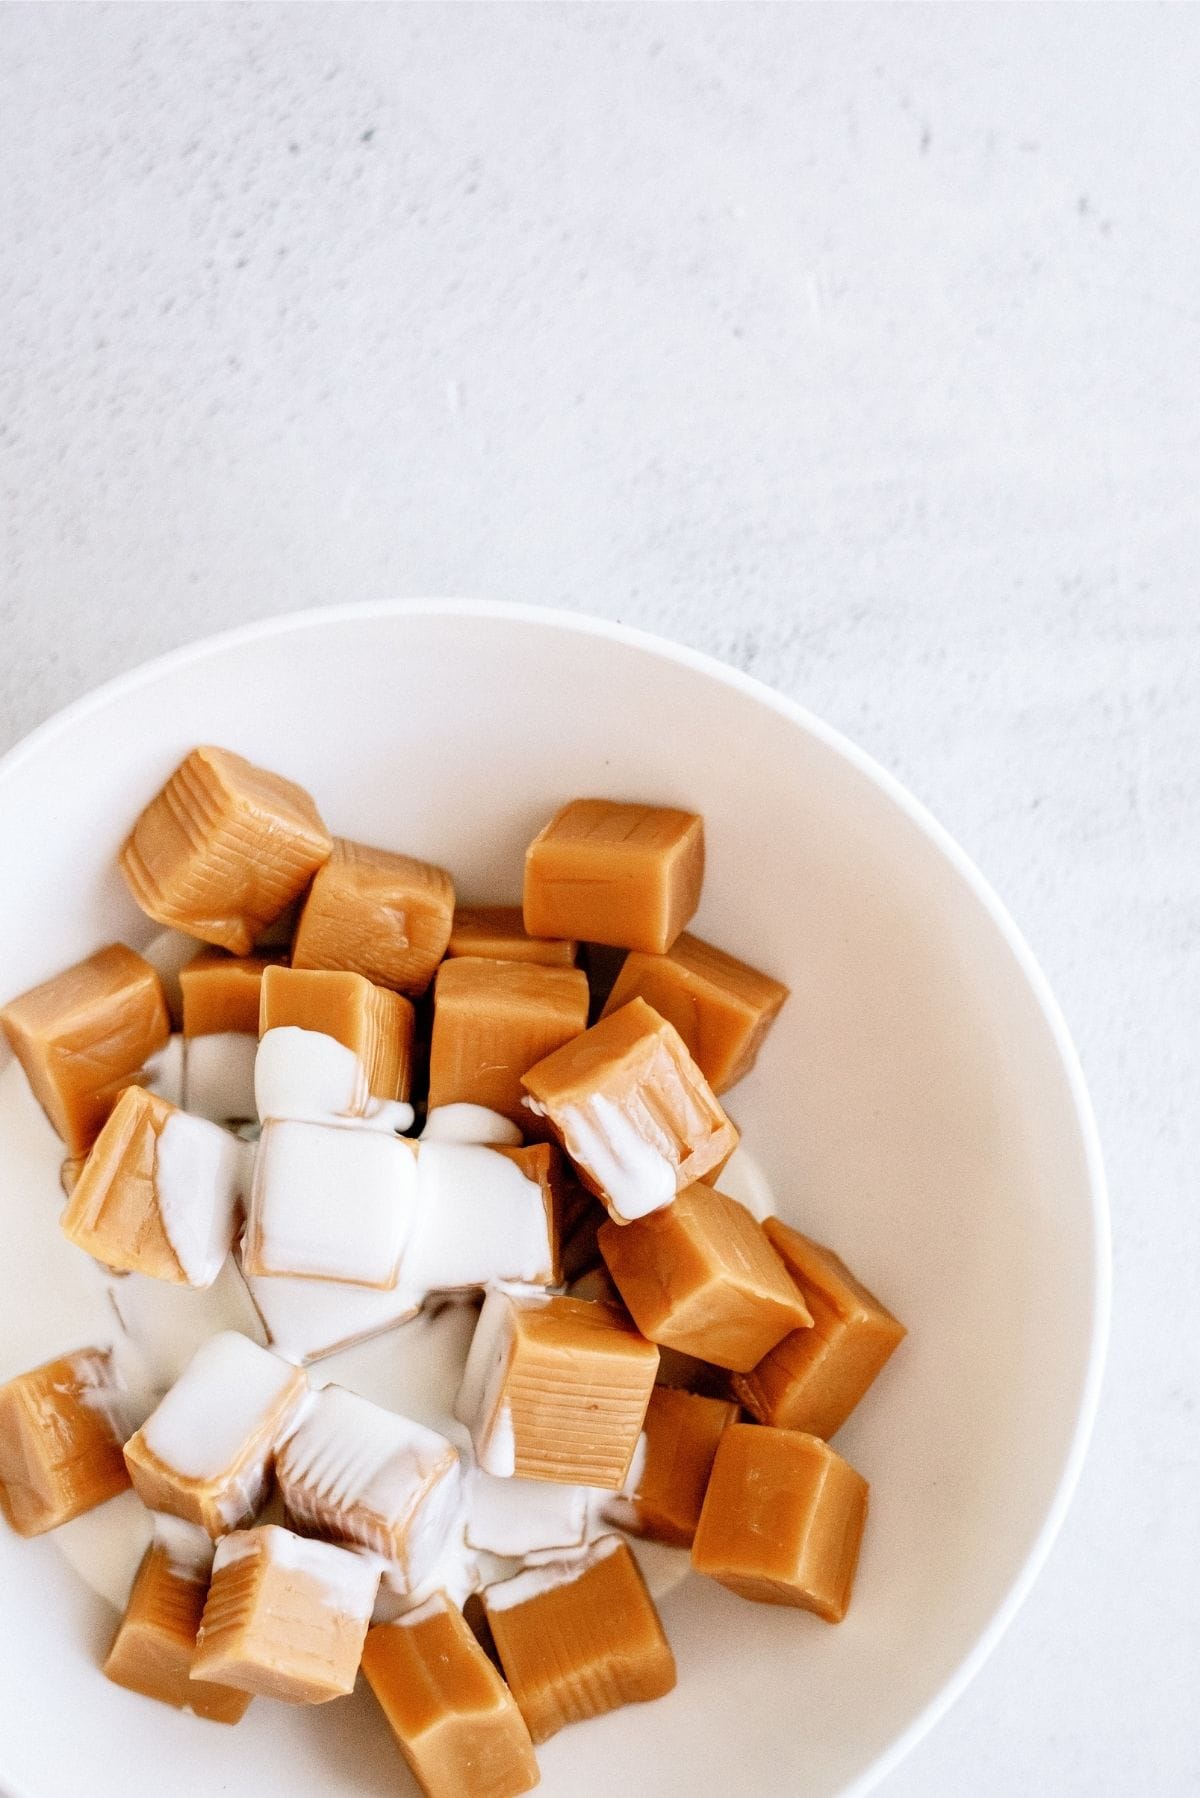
pixel 912 1108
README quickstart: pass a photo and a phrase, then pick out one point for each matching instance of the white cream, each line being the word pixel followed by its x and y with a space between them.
pixel 348 1580
pixel 165 1073
pixel 619 1507
pixel 635 1166
pixel 470 1124
pixel 521 1517
pixel 547 1575
pixel 304 1076
pixel 483 1380
pixel 478 1220
pixel 159 1326
pixel 199 1177
pixel 220 1401
pixel 330 1204
pixel 306 1319
pixel 218 1078
pixel 188 1548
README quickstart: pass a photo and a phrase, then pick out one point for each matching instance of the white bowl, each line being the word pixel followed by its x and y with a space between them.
pixel 919 1106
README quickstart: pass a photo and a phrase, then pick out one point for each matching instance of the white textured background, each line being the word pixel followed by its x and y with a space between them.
pixel 860 347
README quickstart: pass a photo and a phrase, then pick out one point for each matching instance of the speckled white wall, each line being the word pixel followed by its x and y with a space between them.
pixel 860 346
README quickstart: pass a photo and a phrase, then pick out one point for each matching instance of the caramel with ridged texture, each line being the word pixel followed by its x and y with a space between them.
pixel 582 1647
pixel 683 1431
pixel 155 1643
pixel 223 849
pixel 492 1020
pixel 373 1021
pixel 721 1007
pixel 782 1521
pixel 113 1209
pixel 813 1379
pixel 497 933
pixel 632 1110
pixel 376 913
pixel 603 871
pixel 83 1036
pixel 221 993
pixel 701 1276
pixel 285 1617
pixel 61 1428
pixel 454 1719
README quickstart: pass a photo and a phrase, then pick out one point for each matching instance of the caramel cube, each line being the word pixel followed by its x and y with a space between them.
pixel 606 872
pixel 579 1637
pixel 357 1473
pixel 492 1020
pixel 285 1617
pixel 721 1007
pixel 372 1021
pixel 497 933
pixel 155 1643
pixel 61 1429
pixel 782 1521
pixel 813 1379
pixel 222 993
pixel 632 1110
pixel 700 1276
pixel 206 1453
pixel 379 914
pixel 455 1720
pixel 159 1193
pixel 82 1037
pixel 556 1389
pixel 328 1203
pixel 223 849
pixel 483 1215
pixel 665 1491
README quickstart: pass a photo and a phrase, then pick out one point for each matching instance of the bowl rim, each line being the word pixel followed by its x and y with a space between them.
pixel 584 624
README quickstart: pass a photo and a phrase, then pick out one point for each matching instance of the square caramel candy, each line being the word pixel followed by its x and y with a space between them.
pixel 206 1452
pixel 579 1637
pixel 159 1193
pixel 376 1024
pixel 721 1007
pixel 454 1719
pixel 782 1521
pixel 483 1215
pixel 155 1643
pixel 607 872
pixel 665 1490
pixel 700 1276
pixel 223 849
pixel 357 1473
pixel 497 933
pixel 220 1002
pixel 813 1379
pixel 556 1389
pixel 330 1203
pixel 379 914
pixel 61 1429
pixel 632 1110
pixel 285 1617
pixel 492 1020
pixel 82 1036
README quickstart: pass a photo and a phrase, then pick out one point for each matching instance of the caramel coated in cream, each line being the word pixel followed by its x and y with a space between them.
pixel 603 871
pixel 492 1020
pixel 376 913
pixel 223 849
pixel 83 1036
pixel 373 1021
pixel 782 1521
pixel 61 1428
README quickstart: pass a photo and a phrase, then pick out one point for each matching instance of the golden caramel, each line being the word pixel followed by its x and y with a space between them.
pixel 492 1020
pixel 61 1428
pixel 455 1720
pixel 497 933
pixel 155 1643
pixel 285 1617
pixel 113 1211
pixel 221 993
pixel 632 1110
pixel 546 1163
pixel 782 1521
pixel 721 1007
pixel 375 913
pixel 84 1035
pixel 579 1638
pixel 223 849
pixel 556 1389
pixel 700 1276
pixel 373 1021
pixel 606 872
pixel 682 1432
pixel 813 1379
